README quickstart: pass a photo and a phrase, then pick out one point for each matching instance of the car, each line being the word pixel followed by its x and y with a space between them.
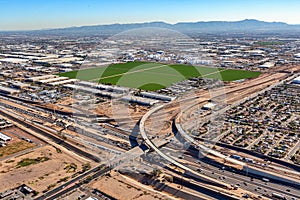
pixel 235 187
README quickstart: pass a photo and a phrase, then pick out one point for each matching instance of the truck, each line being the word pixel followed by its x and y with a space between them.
pixel 278 196
pixel 265 180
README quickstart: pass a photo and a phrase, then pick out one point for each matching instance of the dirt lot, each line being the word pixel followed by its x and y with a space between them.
pixel 54 168
pixel 14 147
pixel 121 187
pixel 17 144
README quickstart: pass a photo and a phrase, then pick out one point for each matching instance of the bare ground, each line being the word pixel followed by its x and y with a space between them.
pixel 125 188
pixel 38 176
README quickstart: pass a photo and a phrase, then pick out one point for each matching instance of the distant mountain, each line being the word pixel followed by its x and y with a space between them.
pixel 245 25
pixel 248 25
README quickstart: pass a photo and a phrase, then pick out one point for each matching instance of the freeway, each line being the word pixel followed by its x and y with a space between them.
pixel 188 138
pixel 230 175
pixel 153 145
pixel 235 177
pixel 171 160
pixel 204 148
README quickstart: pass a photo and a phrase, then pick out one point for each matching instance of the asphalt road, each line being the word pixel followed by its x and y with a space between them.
pixel 70 185
pixel 257 186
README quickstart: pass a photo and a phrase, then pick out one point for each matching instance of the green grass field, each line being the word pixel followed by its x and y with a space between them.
pixel 154 76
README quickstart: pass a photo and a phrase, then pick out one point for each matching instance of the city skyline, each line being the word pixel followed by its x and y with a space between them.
pixel 32 15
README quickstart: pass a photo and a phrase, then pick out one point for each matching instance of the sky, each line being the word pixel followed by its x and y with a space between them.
pixel 42 14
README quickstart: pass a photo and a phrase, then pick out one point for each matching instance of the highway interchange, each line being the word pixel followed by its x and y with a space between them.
pixel 201 169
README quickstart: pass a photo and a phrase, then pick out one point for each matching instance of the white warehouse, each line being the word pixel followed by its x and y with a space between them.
pixel 157 96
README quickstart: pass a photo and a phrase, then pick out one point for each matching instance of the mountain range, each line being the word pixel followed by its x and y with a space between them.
pixel 244 26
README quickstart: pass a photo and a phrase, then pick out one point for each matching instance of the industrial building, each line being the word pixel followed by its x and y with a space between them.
pixel 109 88
pixel 8 90
pixel 110 92
pixel 92 91
pixel 13 60
pixel 209 106
pixel 37 78
pixel 139 100
pixel 57 79
pixel 112 88
pixel 297 55
pixel 68 81
pixel 18 84
pixel 4 137
pixel 88 84
pixel 267 65
pixel 65 70
pixel 256 53
pixel 157 96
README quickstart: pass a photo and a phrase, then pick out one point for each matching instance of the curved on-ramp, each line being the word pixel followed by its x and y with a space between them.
pixel 171 160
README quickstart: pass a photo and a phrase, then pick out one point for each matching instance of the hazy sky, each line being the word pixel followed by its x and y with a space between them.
pixel 39 14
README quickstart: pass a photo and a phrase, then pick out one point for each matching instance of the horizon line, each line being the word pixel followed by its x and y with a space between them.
pixel 107 24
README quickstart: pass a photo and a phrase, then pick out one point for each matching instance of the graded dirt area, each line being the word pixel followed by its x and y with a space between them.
pixel 42 169
pixel 121 187
pixel 17 144
pixel 14 147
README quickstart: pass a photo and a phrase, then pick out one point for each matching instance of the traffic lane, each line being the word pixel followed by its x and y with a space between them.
pixel 232 178
pixel 252 186
pixel 256 185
